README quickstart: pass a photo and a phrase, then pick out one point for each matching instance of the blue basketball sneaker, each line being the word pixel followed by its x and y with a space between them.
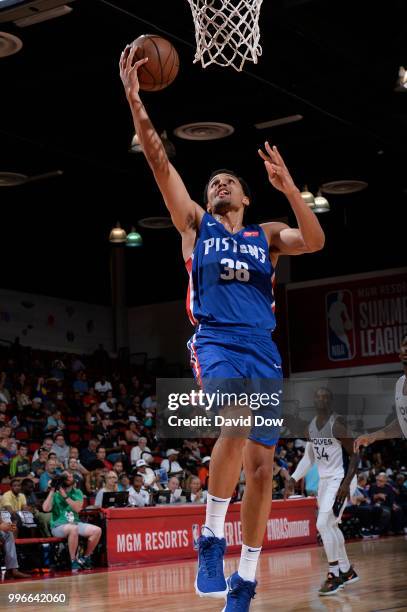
pixel 240 594
pixel 210 580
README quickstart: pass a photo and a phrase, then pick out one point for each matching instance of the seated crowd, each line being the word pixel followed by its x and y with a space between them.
pixel 76 431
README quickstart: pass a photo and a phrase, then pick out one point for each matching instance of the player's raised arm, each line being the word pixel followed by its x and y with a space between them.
pixel 309 236
pixel 185 213
pixel 392 430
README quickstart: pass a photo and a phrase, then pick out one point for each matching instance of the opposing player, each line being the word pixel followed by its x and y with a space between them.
pixel 328 441
pixel 230 298
pixel 398 427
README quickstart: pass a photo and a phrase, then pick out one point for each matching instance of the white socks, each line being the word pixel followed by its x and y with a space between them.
pixel 216 508
pixel 334 569
pixel 248 562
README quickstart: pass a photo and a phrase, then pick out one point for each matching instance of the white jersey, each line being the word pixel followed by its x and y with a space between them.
pixel 401 404
pixel 327 449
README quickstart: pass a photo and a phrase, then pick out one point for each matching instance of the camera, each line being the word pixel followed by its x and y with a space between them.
pixel 59 481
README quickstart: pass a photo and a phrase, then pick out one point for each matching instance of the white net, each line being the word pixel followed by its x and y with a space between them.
pixel 226 31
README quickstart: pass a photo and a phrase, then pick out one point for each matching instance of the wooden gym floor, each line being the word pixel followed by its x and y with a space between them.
pixel 288 582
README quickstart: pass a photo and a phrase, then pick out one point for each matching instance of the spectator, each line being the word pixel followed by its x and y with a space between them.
pixel 103 385
pixel 203 472
pixel 175 491
pixel 101 456
pixel 94 478
pixel 137 451
pixel 35 505
pixel 198 495
pixel 65 505
pixel 39 465
pixel 7 531
pixel 50 472
pixel 90 398
pixel 137 495
pixel 361 507
pixel 46 444
pixel 118 467
pixel 54 422
pixel 124 482
pixel 150 402
pixel 150 479
pixel 280 480
pixel 81 384
pixel 61 449
pixel 74 454
pixel 92 416
pixel 171 464
pixel 132 434
pixel 34 418
pixel 20 464
pixel 74 470
pixel 382 494
pixel 88 455
pixel 13 500
pixel 110 486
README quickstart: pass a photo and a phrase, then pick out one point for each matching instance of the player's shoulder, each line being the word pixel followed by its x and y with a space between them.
pixel 273 228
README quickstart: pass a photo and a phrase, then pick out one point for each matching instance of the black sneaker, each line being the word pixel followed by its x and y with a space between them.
pixel 331 585
pixel 349 576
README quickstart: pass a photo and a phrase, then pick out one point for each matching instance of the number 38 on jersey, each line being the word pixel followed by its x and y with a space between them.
pixel 234 270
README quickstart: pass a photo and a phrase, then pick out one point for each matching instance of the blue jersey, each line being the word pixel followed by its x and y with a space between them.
pixel 230 277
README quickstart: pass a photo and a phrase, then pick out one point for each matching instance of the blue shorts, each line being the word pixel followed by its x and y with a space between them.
pixel 240 360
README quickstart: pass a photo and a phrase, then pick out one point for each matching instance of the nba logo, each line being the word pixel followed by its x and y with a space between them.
pixel 340 324
pixel 195 535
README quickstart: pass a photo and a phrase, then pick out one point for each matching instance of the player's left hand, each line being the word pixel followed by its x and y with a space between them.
pixel 277 171
pixel 342 494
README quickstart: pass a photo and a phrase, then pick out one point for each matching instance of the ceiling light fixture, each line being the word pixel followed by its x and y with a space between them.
pixel 204 130
pixel 308 197
pixel 9 44
pixel 117 235
pixel 321 204
pixel 134 239
pixel 343 187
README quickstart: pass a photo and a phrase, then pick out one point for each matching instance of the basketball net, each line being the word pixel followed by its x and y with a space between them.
pixel 226 32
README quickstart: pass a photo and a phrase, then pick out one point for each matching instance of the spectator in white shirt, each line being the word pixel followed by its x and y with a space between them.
pixel 173 494
pixel 137 495
pixel 137 451
pixel 149 477
pixel 198 495
pixel 171 464
pixel 103 385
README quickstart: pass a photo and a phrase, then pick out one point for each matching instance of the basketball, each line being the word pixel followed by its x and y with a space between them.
pixel 163 62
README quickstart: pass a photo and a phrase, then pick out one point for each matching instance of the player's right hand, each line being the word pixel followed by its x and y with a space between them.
pixel 128 71
pixel 363 441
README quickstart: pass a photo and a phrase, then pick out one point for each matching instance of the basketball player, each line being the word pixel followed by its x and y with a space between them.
pixel 328 441
pixel 398 427
pixel 231 300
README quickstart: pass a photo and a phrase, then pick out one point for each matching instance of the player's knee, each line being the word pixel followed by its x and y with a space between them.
pixel 261 475
pixel 323 521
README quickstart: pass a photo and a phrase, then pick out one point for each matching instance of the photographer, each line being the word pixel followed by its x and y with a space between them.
pixel 65 502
